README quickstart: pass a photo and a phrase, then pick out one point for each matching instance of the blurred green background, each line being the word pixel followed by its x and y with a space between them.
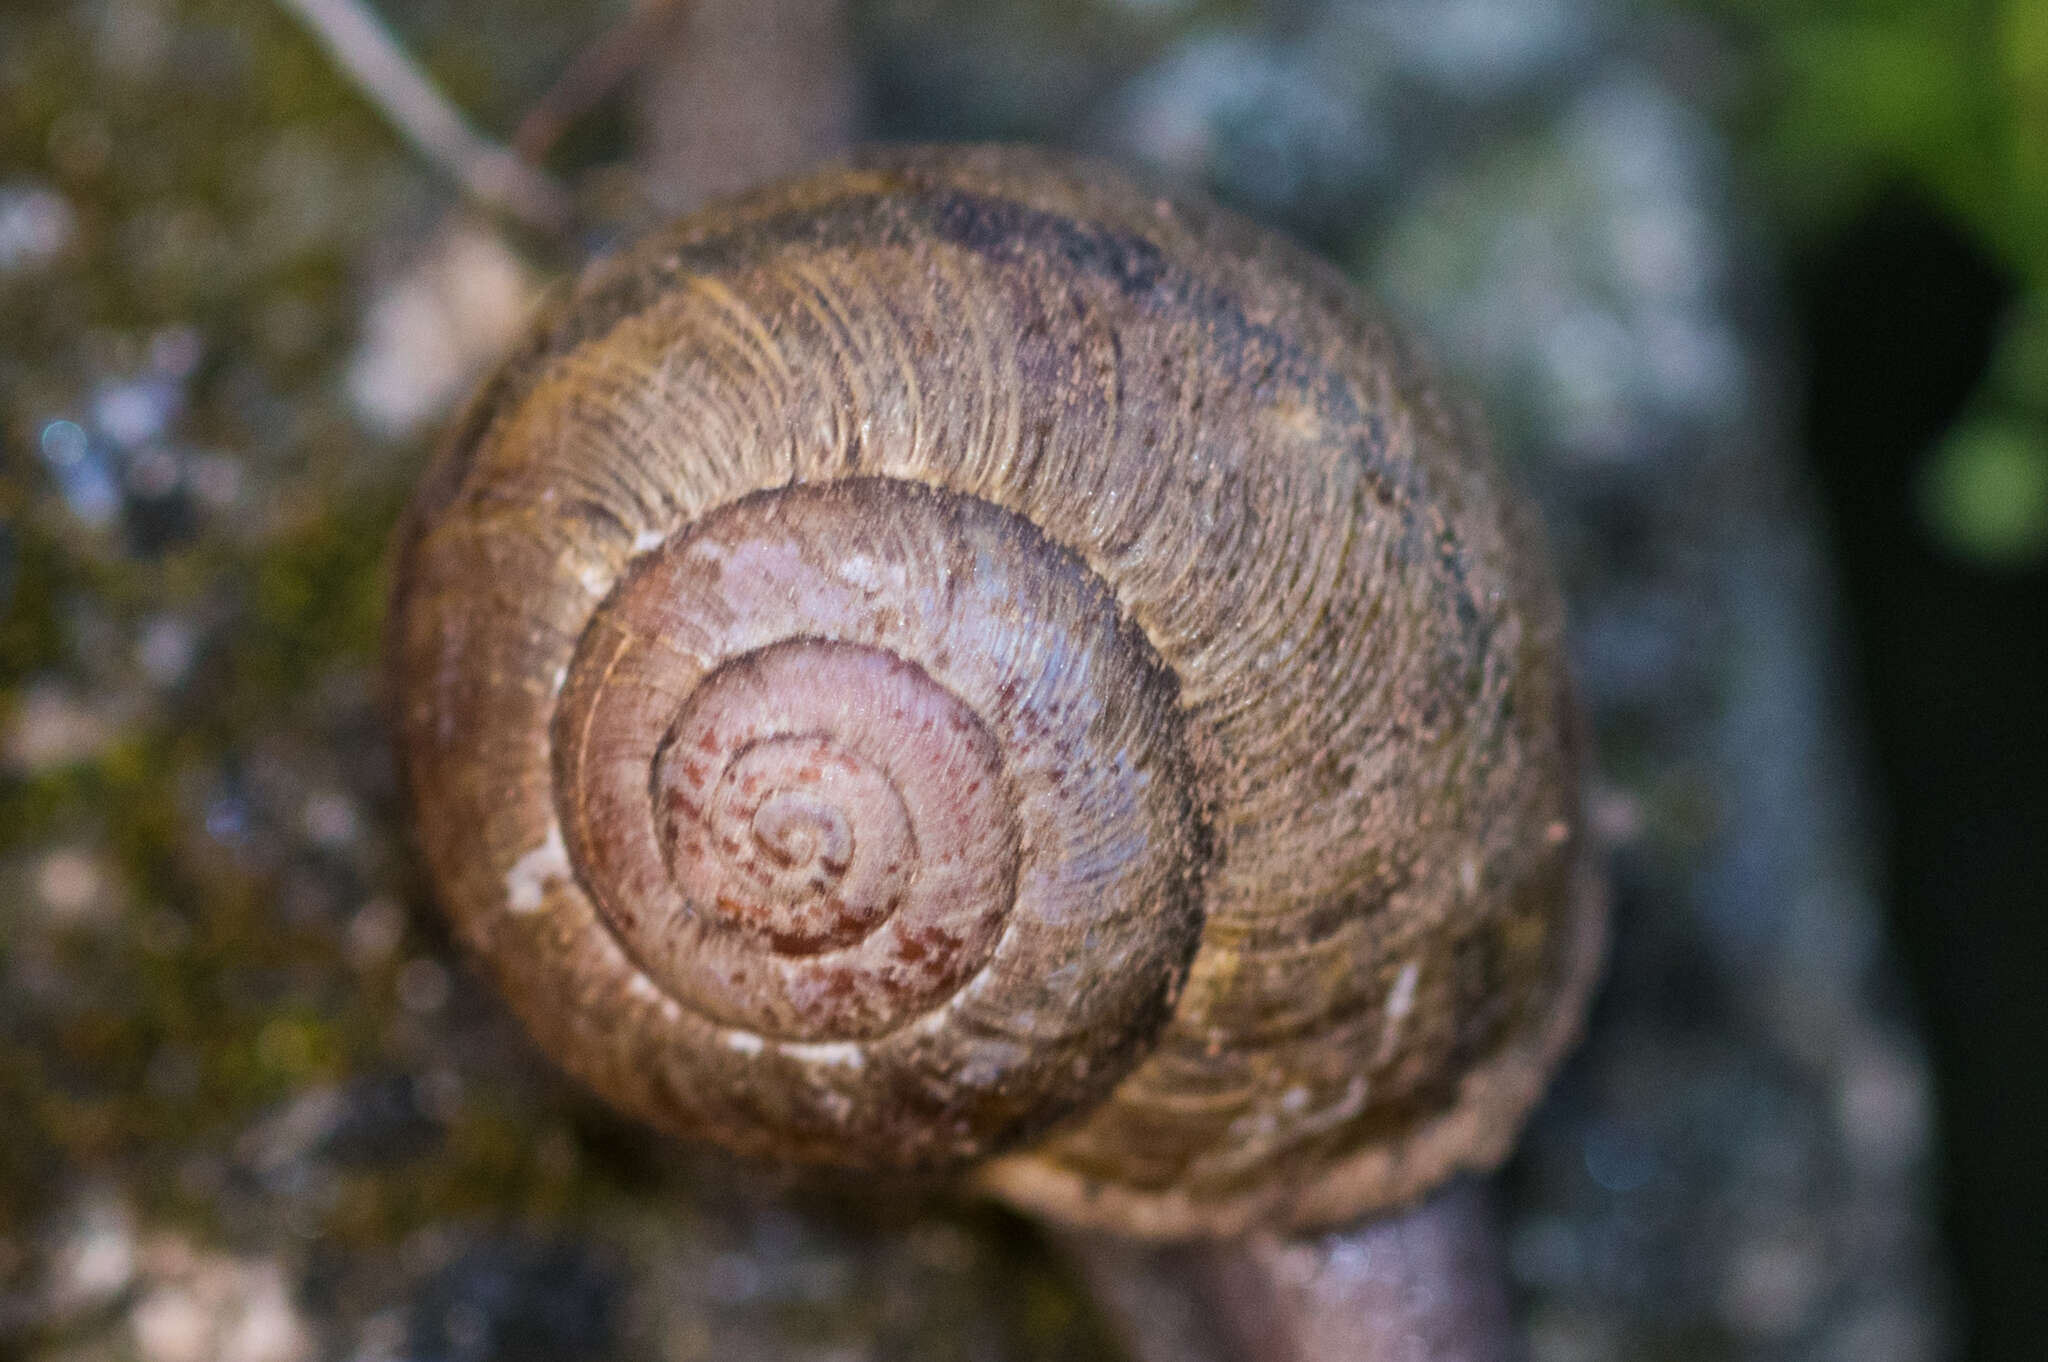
pixel 1903 149
pixel 1859 103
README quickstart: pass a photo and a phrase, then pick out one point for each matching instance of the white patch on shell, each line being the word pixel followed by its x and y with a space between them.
pixel 1254 1136
pixel 646 540
pixel 745 1042
pixel 595 578
pixel 858 568
pixel 561 680
pixel 861 570
pixel 845 1053
pixel 1401 1001
pixel 527 882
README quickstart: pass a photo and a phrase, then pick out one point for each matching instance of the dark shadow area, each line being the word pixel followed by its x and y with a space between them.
pixel 1900 311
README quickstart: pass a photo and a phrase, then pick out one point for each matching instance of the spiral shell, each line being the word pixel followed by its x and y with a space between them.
pixel 955 659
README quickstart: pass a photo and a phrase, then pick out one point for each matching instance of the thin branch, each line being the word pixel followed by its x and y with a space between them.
pixel 597 70
pixel 391 80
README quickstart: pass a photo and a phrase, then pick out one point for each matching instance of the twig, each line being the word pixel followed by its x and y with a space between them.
pixel 392 81
pixel 597 70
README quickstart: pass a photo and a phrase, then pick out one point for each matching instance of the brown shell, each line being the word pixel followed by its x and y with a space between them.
pixel 957 659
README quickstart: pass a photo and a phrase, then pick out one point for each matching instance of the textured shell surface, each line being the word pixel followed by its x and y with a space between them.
pixel 957 661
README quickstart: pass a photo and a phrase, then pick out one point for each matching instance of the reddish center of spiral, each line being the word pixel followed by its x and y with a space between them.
pixel 834 845
pixel 795 841
pixel 821 761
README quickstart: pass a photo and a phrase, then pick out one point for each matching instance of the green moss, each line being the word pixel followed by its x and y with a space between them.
pixel 316 599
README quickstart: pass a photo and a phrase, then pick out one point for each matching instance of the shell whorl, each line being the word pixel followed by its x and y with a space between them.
pixel 822 756
pixel 956 657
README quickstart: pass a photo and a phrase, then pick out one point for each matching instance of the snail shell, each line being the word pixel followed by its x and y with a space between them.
pixel 955 660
